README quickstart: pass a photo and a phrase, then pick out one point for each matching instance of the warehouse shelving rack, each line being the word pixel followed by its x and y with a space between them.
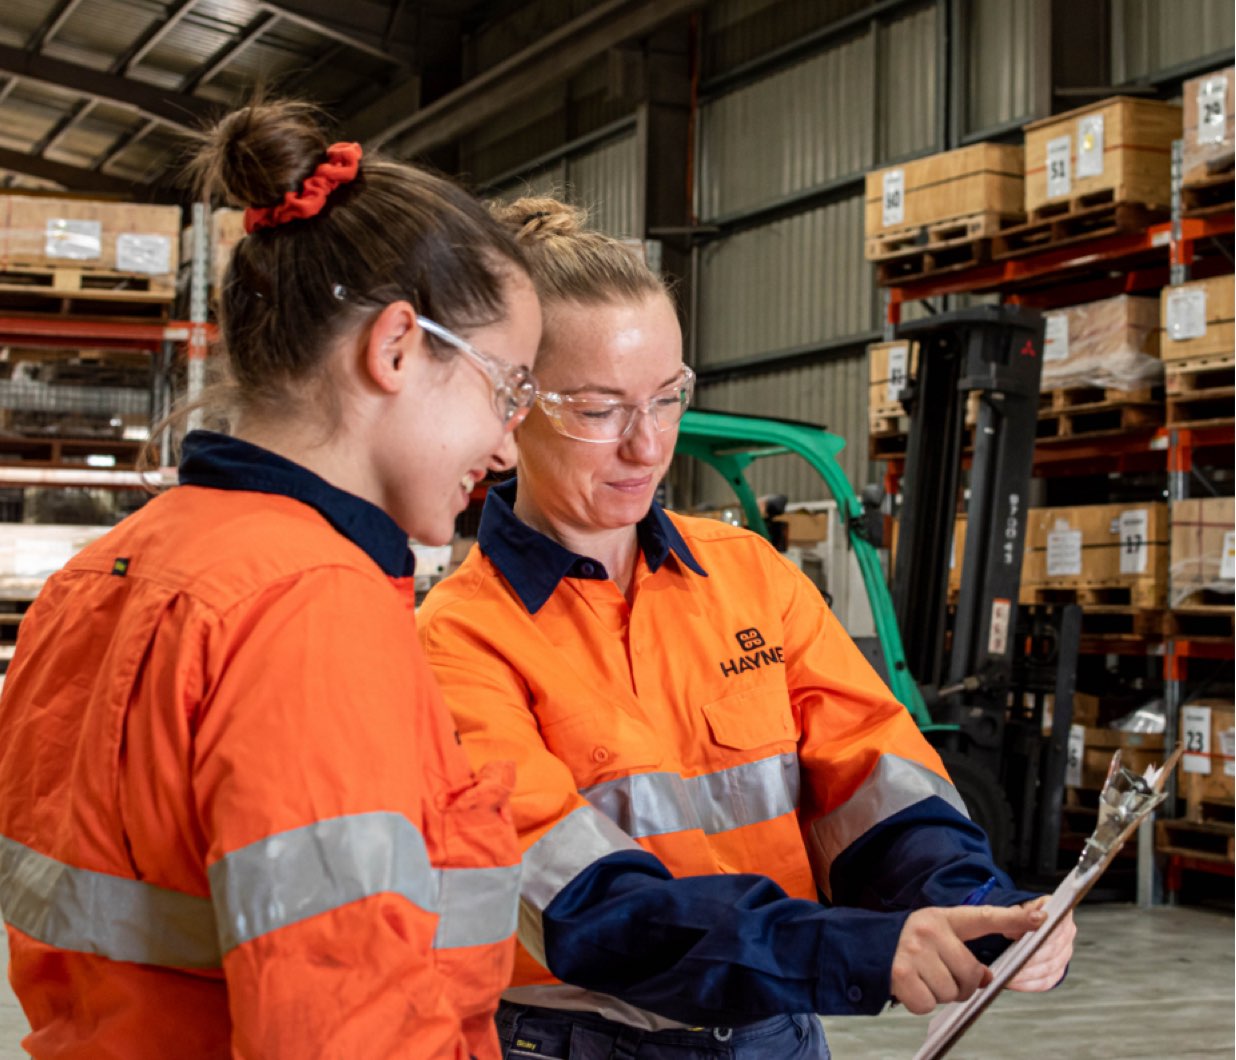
pixel 1087 269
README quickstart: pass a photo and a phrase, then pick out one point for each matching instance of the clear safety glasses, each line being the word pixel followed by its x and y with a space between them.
pixel 601 420
pixel 513 385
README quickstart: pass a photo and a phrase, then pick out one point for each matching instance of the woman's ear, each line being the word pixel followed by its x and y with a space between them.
pixel 394 343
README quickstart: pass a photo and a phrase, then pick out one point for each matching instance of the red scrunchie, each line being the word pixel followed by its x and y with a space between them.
pixel 340 167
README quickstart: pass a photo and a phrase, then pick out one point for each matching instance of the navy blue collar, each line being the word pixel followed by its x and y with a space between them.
pixel 224 463
pixel 534 564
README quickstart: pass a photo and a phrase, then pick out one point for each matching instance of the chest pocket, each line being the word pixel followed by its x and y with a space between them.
pixel 600 744
pixel 755 717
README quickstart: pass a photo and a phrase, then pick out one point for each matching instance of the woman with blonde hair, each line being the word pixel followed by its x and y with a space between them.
pixel 702 751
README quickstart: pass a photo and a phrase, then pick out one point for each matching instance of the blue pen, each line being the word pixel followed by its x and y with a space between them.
pixel 977 896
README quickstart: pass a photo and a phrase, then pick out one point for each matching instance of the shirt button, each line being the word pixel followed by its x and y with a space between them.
pixel 855 994
pixel 600 754
pixel 587 569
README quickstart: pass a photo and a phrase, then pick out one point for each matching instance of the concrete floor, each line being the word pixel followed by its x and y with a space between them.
pixel 1144 983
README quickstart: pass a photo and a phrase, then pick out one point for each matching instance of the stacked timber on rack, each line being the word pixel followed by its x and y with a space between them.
pixel 1101 368
pixel 1203 566
pixel 1110 558
pixel 941 212
pixel 1095 171
pixel 1208 143
pixel 87 257
pixel 1197 350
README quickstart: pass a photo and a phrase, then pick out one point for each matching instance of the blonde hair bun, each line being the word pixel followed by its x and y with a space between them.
pixel 532 218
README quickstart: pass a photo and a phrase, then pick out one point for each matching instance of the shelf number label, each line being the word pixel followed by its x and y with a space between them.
pixel 898 364
pixel 1195 734
pixel 1058 182
pixel 1064 553
pixel 1077 749
pixel 1212 110
pixel 1186 313
pixel 1056 340
pixel 894 197
pixel 1090 146
pixel 1227 562
pixel 1134 546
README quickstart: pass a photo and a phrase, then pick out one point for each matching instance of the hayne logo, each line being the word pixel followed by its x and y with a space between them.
pixel 755 654
pixel 749 639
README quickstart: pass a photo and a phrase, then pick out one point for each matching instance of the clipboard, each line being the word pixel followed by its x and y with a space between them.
pixel 1124 803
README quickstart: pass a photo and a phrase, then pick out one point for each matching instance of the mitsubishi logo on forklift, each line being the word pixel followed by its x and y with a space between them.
pixel 749 639
pixel 1028 349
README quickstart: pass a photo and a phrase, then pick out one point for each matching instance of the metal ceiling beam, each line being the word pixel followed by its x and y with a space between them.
pixel 51 24
pixel 224 55
pixel 555 57
pixel 180 111
pixel 366 28
pixel 71 177
pixel 152 36
pixel 391 106
pixel 123 144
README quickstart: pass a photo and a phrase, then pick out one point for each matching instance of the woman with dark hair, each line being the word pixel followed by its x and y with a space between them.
pixel 235 819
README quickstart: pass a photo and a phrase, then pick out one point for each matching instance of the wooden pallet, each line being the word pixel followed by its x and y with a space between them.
pixel 66 452
pixel 1209 195
pixel 1094 397
pixel 1143 594
pixel 886 446
pixel 1092 420
pixel 1200 809
pixel 1058 229
pixel 932 261
pixel 1201 621
pixel 1200 375
pixel 939 234
pixel 85 292
pixel 1205 840
pixel 1210 408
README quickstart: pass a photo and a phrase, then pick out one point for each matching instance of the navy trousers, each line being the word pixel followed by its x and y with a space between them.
pixel 530 1033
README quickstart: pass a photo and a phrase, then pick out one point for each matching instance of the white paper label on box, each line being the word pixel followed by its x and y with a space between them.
pixel 894 197
pixel 1227 748
pixel 1186 313
pixel 1227 564
pixel 1058 182
pixel 76 240
pixel 1090 146
pixel 998 634
pixel 1064 553
pixel 898 363
pixel 1056 341
pixel 1195 735
pixel 1212 110
pixel 1134 541
pixel 143 253
pixel 1077 749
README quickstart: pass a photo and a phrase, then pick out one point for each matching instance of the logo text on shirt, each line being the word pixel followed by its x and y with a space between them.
pixel 755 654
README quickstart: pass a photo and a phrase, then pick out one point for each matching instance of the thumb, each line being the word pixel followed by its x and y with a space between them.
pixel 973 922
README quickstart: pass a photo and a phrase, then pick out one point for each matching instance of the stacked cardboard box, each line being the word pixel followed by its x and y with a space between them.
pixel 1203 551
pixel 1107 546
pixel 39 232
pixel 1112 344
pixel 1120 146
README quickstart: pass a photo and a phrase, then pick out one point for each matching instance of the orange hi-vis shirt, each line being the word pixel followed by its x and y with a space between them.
pixel 235 819
pixel 722 721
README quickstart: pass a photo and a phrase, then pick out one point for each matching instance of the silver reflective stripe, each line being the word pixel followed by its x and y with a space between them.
pixel 894 785
pixel 577 999
pixel 93 912
pixel 297 874
pixel 580 838
pixel 649 804
pixel 477 906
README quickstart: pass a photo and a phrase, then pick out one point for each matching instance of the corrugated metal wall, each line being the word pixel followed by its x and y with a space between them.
pixel 1002 78
pixel 791 284
pixel 606 181
pixel 819 393
pixel 794 130
pixel 1149 36
pixel 907 88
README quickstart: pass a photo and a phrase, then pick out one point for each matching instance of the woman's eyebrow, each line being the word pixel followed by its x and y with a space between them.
pixel 609 391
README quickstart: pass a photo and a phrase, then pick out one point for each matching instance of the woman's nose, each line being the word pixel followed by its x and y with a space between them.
pixel 503 458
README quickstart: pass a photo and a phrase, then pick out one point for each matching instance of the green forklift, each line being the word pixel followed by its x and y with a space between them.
pixel 977 678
